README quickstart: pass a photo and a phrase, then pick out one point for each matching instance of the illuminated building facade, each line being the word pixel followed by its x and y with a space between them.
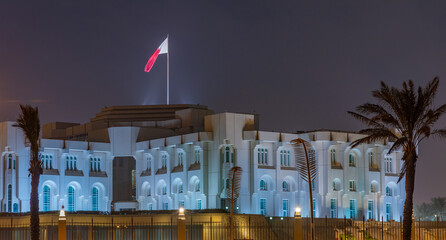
pixel 163 157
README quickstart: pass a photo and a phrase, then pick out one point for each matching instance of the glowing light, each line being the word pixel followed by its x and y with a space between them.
pixel 181 210
pixel 270 218
pixel 297 210
pixel 62 214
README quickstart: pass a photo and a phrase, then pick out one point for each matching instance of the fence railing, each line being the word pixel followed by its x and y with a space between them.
pixel 213 227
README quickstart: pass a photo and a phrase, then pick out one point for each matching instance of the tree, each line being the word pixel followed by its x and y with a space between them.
pixel 233 191
pixel 429 211
pixel 29 122
pixel 307 167
pixel 404 117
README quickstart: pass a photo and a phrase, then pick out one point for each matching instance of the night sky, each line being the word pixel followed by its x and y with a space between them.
pixel 301 66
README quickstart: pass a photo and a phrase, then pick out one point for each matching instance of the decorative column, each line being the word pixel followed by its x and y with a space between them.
pixel 297 224
pixel 62 225
pixel 181 223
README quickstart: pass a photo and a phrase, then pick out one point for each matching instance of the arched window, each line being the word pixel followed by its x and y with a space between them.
pixel 288 158
pixel 389 191
pixel 15 207
pixel 285 186
pixel 46 198
pixel 262 155
pixel 68 163
pixel 373 187
pixel 336 185
pixel 45 161
pixel 71 199
pixel 71 163
pixel 94 199
pixel 197 186
pixel 51 161
pixel 281 157
pixel 9 198
pixel 263 186
pixel 351 160
pixel 370 159
pixel 149 191
pixel 180 188
pixel 164 190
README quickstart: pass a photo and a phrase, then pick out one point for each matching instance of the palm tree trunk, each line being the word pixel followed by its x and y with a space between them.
pixel 408 205
pixel 35 223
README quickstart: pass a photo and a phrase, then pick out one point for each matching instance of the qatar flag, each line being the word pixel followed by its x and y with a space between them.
pixel 162 49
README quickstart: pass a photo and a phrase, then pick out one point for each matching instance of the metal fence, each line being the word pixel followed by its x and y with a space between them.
pixel 211 227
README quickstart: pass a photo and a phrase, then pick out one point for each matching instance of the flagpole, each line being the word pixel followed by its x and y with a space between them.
pixel 167 69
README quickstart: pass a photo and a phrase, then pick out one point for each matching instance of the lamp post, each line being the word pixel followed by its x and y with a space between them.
pixel 62 224
pixel 181 233
pixel 297 224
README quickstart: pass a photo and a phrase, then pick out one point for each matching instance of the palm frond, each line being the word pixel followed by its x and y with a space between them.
pixel 234 176
pixel 305 159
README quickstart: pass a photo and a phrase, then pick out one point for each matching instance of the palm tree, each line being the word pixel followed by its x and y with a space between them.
pixel 29 122
pixel 405 117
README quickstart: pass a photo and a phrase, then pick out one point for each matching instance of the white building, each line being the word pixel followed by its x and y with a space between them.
pixel 163 157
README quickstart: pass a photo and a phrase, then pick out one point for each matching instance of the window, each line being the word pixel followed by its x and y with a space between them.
pixel 75 163
pixel 199 204
pixel 263 206
pixel 15 207
pixel 71 199
pixel 9 198
pixel 263 186
pixel 150 207
pixel 388 211
pixel 149 191
pixel 262 156
pixel 99 164
pixel 352 185
pixel 95 164
pixel 9 161
pixel 180 188
pixel 51 161
pixel 314 207
pixel 166 206
pixel 71 163
pixel 197 186
pixel 197 155
pixel 227 153
pixel 353 208
pixel 91 164
pixel 285 186
pixel 370 159
pixel 149 162
pixel 370 209
pixel 94 199
pixel 351 160
pixel 181 204
pixel 46 198
pixel 313 186
pixel 333 156
pixel 180 158
pixel 228 183
pixel 389 191
pixel 285 208
pixel 333 208
pixel 336 185
pixel 285 158
pixel 388 163
pixel 373 187
pixel 164 190
pixel 163 160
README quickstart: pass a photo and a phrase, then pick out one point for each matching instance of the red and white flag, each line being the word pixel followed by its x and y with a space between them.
pixel 162 49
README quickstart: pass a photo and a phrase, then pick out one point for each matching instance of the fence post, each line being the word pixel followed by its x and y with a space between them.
pixel 62 225
pixel 412 233
pixel 297 225
pixel 90 230
pixel 181 224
